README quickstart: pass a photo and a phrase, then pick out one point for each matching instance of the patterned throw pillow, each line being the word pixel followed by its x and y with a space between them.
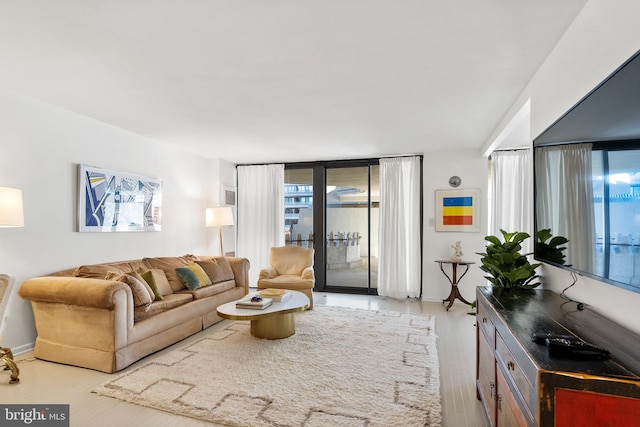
pixel 188 277
pixel 203 279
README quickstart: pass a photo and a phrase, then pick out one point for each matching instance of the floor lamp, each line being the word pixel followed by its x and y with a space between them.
pixel 11 215
pixel 219 217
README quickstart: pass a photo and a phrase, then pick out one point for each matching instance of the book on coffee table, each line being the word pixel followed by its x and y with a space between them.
pixel 277 295
pixel 255 305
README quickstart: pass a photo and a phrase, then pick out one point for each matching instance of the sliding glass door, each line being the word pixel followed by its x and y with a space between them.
pixel 333 207
pixel 351 228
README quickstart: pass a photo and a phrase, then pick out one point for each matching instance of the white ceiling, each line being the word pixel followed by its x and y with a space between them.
pixel 284 80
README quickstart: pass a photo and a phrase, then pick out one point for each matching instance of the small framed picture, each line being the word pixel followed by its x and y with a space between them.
pixel 458 210
pixel 228 195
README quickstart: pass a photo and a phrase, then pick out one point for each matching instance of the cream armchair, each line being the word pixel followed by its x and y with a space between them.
pixel 291 267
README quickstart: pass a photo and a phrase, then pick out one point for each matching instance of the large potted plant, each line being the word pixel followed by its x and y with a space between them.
pixel 507 268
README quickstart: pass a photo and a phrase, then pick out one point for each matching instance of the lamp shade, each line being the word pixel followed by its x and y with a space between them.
pixel 11 212
pixel 216 217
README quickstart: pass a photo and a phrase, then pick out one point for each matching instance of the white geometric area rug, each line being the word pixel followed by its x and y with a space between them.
pixel 343 368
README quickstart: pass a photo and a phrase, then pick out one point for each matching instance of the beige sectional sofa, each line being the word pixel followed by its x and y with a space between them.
pixel 98 317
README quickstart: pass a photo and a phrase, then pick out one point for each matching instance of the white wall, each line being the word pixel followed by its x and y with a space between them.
pixel 602 37
pixel 221 174
pixel 472 168
pixel 41 146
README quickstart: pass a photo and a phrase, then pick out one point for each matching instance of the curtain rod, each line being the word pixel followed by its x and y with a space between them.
pixel 316 162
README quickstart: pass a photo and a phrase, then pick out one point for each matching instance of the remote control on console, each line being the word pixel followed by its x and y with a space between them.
pixel 540 337
pixel 575 348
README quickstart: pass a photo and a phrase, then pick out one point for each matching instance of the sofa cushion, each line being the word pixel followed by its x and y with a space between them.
pixel 211 290
pixel 190 258
pixel 98 271
pixel 169 302
pixel 188 277
pixel 218 269
pixel 169 265
pixel 142 294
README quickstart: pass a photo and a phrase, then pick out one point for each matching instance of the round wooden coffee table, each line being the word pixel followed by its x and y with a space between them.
pixel 274 322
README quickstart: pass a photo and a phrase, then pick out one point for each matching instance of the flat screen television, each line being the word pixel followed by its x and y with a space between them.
pixel 587 182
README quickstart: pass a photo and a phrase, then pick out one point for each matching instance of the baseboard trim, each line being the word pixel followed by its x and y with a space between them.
pixel 25 348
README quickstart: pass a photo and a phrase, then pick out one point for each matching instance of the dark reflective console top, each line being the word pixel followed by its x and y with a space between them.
pixel 529 312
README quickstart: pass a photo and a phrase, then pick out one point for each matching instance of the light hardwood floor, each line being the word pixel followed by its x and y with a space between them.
pixel 49 383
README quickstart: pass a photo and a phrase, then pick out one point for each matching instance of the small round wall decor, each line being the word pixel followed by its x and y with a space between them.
pixel 455 181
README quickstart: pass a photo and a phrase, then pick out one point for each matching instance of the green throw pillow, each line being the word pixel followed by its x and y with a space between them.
pixel 188 277
pixel 151 281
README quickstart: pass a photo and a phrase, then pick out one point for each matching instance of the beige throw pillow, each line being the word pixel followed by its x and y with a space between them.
pixel 142 294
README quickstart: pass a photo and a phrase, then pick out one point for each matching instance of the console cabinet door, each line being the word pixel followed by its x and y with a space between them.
pixel 508 412
pixel 487 376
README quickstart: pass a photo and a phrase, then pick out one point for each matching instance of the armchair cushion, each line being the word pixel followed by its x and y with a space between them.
pixel 286 281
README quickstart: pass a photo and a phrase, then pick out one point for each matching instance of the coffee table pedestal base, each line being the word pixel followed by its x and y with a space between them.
pixel 274 327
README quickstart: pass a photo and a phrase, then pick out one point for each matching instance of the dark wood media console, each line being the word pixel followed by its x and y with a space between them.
pixel 520 384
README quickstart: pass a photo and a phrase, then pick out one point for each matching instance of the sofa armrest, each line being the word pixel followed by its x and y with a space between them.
pixel 267 273
pixel 240 267
pixel 308 273
pixel 78 291
pixel 80 321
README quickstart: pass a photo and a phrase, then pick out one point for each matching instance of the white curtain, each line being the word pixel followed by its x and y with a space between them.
pixel 260 214
pixel 569 211
pixel 512 194
pixel 399 238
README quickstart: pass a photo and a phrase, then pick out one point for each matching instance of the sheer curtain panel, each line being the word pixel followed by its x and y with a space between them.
pixel 512 193
pixel 399 265
pixel 260 214
pixel 556 169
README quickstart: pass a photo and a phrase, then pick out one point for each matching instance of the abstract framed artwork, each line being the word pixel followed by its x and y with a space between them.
pixel 458 210
pixel 110 201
